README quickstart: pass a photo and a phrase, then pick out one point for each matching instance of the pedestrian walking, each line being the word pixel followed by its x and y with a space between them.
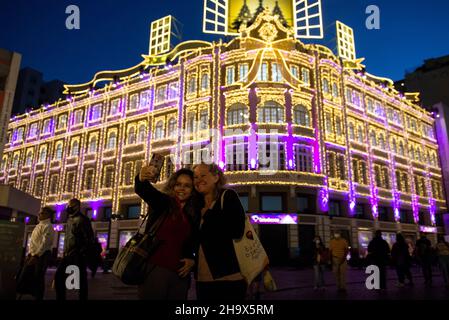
pixel 339 249
pixel 320 261
pixel 78 243
pixel 402 260
pixel 423 250
pixel 41 243
pixel 379 255
pixel 168 277
pixel 442 250
pixel 218 273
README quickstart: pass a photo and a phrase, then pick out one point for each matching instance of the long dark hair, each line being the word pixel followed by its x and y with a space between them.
pixel 193 203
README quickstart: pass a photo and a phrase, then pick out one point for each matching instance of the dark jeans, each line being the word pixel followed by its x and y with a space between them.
pixel 221 290
pixel 403 271
pixel 426 266
pixel 41 269
pixel 164 284
pixel 60 277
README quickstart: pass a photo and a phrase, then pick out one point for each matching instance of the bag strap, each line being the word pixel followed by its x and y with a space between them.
pixel 222 198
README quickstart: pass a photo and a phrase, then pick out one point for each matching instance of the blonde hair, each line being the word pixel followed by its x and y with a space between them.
pixel 216 171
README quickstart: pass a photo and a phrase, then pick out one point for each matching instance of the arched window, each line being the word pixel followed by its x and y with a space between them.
pixel 412 152
pixel 111 141
pixel 351 131
pixel 172 127
pixel 15 161
pixel 360 134
pixel 142 133
pixel 335 90
pixel 237 114
pixel 159 132
pixel 191 87
pixel 381 141
pixel 372 137
pixel 325 85
pixel 131 136
pixel 401 148
pixel 93 145
pixel 43 155
pixel 205 82
pixel 75 149
pixel 418 154
pixel 271 112
pixel 58 151
pixel 29 158
pixel 301 116
pixel 394 146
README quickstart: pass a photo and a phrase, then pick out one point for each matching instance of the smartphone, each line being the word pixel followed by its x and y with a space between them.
pixel 157 161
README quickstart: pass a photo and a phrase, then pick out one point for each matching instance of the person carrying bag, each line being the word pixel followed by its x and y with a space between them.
pixel 131 265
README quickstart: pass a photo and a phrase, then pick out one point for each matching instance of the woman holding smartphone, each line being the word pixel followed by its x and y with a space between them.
pixel 168 277
pixel 222 220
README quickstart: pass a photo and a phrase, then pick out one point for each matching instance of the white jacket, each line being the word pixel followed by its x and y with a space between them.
pixel 42 238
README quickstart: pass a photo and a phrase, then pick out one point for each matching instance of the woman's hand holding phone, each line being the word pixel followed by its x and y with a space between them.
pixel 147 172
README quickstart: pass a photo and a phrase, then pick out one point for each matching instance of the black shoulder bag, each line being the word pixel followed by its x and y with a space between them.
pixel 131 264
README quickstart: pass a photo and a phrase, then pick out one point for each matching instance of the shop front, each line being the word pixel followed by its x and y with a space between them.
pixel 273 233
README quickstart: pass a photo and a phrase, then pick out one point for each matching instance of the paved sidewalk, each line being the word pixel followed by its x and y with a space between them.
pixel 292 283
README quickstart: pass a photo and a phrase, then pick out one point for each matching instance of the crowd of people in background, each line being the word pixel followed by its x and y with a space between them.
pixel 383 257
pixel 198 219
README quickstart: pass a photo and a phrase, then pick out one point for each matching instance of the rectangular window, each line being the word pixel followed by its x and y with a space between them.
pixel 95 112
pixel 114 109
pixel 302 204
pixel 305 76
pixel 160 95
pixel 334 208
pixel 133 102
pixel 133 212
pixel 304 158
pixel 272 203
pixel 276 73
pixel 329 128
pixel 243 72
pixel 173 91
pixel 263 72
pixel 230 75
pixel 144 99
pixel 359 211
pixel 204 123
pixel 294 70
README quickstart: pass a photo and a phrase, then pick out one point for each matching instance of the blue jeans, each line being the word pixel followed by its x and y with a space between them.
pixel 319 275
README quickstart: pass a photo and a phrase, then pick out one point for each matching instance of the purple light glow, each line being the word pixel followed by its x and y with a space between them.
pixel 59 209
pixel 352 206
pixel 27 220
pixel 58 227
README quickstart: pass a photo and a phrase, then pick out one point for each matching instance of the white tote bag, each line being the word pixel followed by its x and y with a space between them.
pixel 250 253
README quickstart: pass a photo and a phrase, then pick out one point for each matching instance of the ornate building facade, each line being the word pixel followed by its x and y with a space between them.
pixel 295 128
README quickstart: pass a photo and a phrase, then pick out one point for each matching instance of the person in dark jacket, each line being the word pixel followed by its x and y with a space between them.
pixel 168 277
pixel 402 260
pixel 379 253
pixel 320 260
pixel 218 272
pixel 79 238
pixel 424 256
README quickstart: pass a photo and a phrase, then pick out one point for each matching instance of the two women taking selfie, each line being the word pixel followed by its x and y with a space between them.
pixel 198 220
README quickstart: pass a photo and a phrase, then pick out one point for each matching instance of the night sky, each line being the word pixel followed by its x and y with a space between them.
pixel 114 34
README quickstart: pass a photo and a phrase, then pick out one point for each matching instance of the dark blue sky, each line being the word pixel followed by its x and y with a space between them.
pixel 114 34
